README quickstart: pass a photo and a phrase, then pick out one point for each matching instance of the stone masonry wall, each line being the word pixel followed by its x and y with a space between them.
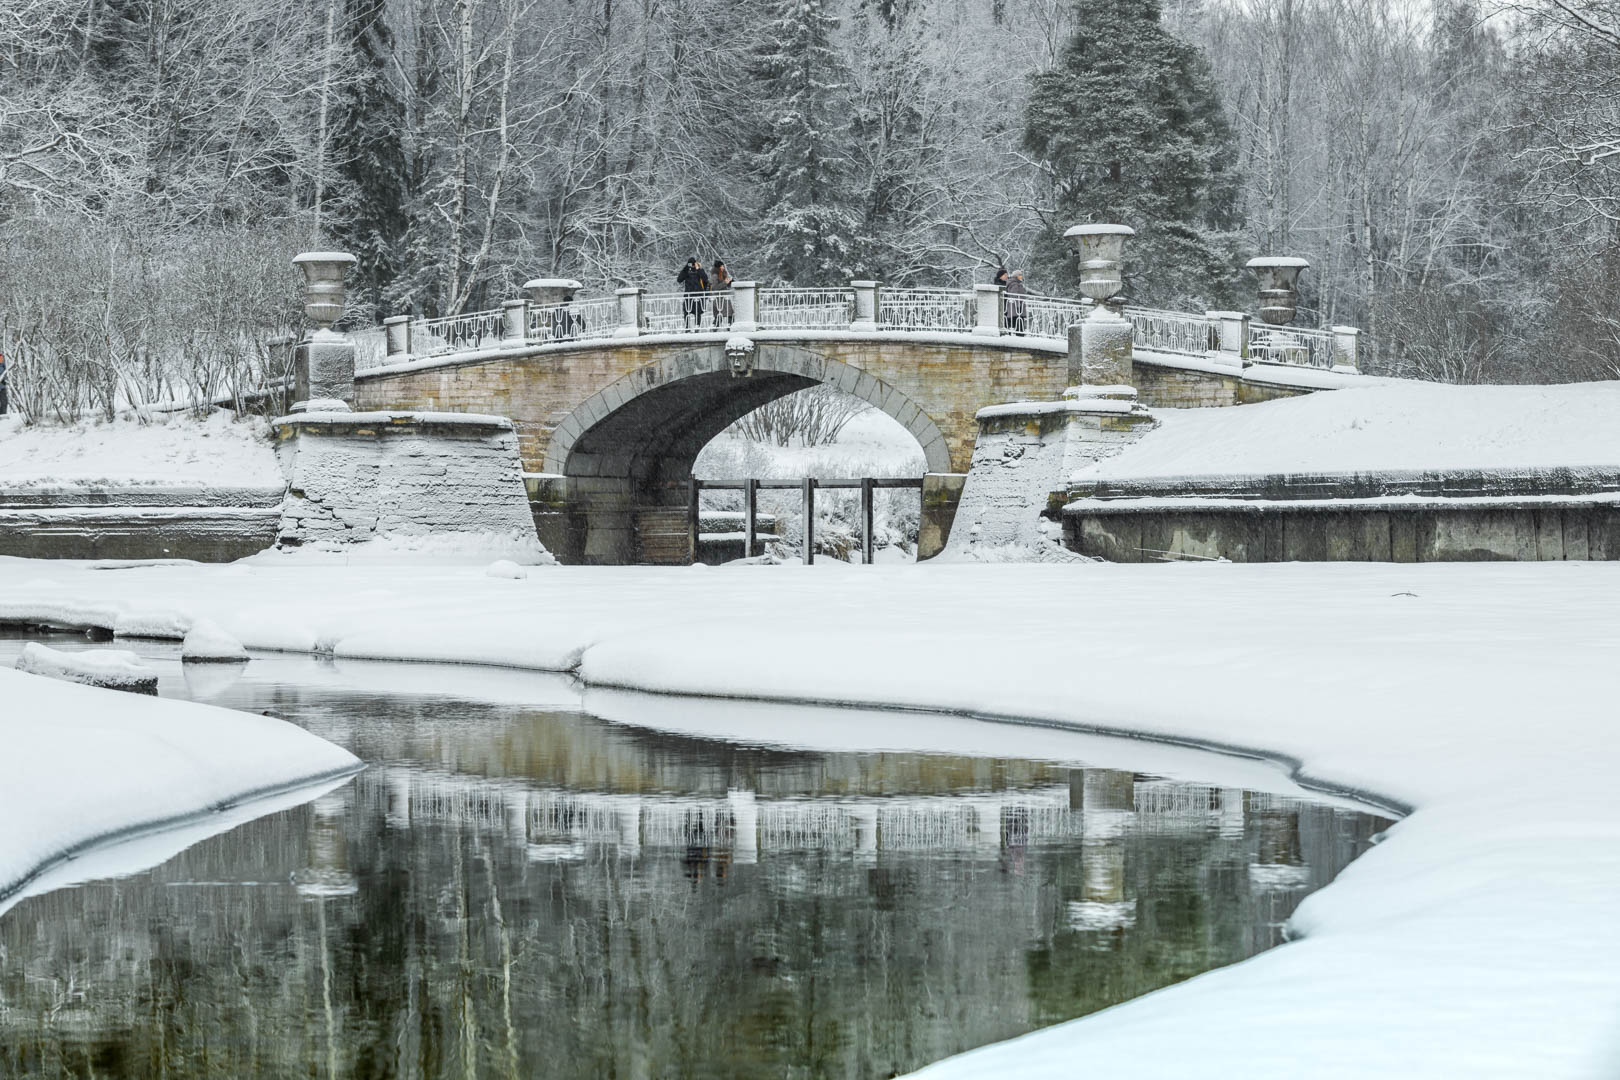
pixel 356 476
pixel 1021 465
pixel 1160 387
pixel 538 391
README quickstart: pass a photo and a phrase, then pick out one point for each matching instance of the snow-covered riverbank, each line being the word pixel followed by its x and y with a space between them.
pixel 1478 940
pixel 87 768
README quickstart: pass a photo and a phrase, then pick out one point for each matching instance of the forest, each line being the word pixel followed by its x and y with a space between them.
pixel 1451 169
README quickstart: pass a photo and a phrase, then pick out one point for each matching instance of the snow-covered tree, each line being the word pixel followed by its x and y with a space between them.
pixel 801 151
pixel 1128 129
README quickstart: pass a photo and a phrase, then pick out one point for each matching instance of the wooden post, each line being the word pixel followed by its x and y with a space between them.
pixel 750 512
pixel 694 486
pixel 809 520
pixel 867 483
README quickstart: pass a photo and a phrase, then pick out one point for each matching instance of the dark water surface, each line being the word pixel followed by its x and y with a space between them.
pixel 520 891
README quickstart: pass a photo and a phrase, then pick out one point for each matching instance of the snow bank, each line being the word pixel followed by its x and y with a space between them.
pixel 112 669
pixel 205 642
pixel 85 768
pixel 1393 426
pixel 1478 938
pixel 170 450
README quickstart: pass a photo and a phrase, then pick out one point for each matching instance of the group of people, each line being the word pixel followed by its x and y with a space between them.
pixel 696 283
pixel 1014 315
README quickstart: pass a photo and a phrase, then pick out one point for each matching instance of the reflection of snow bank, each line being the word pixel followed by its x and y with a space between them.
pixel 111 669
pixel 1101 915
pixel 85 768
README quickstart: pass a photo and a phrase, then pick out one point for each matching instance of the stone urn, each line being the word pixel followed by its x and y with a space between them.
pixel 1279 287
pixel 549 292
pixel 323 284
pixel 1101 249
pixel 324 372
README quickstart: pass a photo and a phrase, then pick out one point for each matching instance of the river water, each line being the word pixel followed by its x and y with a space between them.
pixel 518 888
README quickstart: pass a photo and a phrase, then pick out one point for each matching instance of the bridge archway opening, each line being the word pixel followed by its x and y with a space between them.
pixel 628 451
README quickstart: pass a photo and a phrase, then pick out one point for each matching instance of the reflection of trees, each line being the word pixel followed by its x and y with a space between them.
pixel 678 921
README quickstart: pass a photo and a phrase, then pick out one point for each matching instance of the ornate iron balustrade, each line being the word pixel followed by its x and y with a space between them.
pixel 1046 318
pixel 1172 332
pixel 583 320
pixel 806 309
pixel 925 309
pixel 1295 346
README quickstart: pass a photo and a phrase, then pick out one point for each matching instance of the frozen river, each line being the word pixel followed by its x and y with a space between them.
pixel 529 890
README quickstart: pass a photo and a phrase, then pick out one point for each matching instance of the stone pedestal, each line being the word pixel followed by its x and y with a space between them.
pixel 629 312
pixel 1022 460
pixel 745 301
pixel 514 321
pixel 987 310
pixel 397 334
pixel 866 306
pixel 1229 336
pixel 325 375
pixel 1100 350
pixel 1346 349
pixel 354 477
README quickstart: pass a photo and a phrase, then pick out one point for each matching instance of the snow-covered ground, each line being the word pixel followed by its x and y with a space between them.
pixel 173 449
pixel 1477 940
pixel 90 772
pixel 1385 427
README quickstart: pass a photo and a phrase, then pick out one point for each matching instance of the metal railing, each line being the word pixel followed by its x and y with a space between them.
pixel 457 333
pixel 1295 346
pixel 668 313
pixel 1044 316
pixel 581 320
pixel 947 310
pixel 925 309
pixel 1172 332
pixel 806 309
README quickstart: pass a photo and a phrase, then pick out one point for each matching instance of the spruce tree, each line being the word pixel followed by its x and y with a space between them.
pixel 800 149
pixel 370 216
pixel 1129 130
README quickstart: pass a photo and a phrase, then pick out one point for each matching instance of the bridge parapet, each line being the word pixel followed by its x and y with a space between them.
pixel 1027 320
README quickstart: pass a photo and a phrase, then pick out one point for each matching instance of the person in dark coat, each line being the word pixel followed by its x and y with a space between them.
pixel 720 280
pixel 1016 313
pixel 694 282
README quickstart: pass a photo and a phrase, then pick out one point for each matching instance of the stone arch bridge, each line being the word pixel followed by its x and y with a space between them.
pixel 613 399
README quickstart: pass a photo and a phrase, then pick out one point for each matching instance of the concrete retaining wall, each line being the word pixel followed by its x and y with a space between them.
pixel 138 522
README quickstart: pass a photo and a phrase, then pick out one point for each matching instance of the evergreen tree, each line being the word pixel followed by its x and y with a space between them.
pixel 369 154
pixel 1129 130
pixel 801 150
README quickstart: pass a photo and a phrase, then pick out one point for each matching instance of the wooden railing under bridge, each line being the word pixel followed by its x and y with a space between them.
pixel 861 307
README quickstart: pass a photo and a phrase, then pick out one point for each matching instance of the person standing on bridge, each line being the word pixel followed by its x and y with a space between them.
pixel 1017 315
pixel 695 283
pixel 720 280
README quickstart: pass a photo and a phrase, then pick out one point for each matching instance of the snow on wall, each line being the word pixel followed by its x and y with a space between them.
pixel 1385 427
pixel 358 477
pixel 172 451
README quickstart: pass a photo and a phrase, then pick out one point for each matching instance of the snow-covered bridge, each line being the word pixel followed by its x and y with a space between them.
pixel 613 398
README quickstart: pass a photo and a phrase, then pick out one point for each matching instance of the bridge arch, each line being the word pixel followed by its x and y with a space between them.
pixel 627 449
pixel 651 424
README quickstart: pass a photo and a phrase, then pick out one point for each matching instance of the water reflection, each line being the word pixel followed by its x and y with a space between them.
pixel 512 891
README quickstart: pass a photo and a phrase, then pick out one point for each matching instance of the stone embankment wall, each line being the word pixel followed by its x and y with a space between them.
pixel 138 521
pixel 1026 451
pixel 1529 515
pixel 1161 386
pixel 354 477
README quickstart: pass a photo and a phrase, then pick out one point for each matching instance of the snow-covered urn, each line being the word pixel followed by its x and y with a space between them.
pixel 207 642
pixel 1100 348
pixel 326 370
pixel 1279 287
